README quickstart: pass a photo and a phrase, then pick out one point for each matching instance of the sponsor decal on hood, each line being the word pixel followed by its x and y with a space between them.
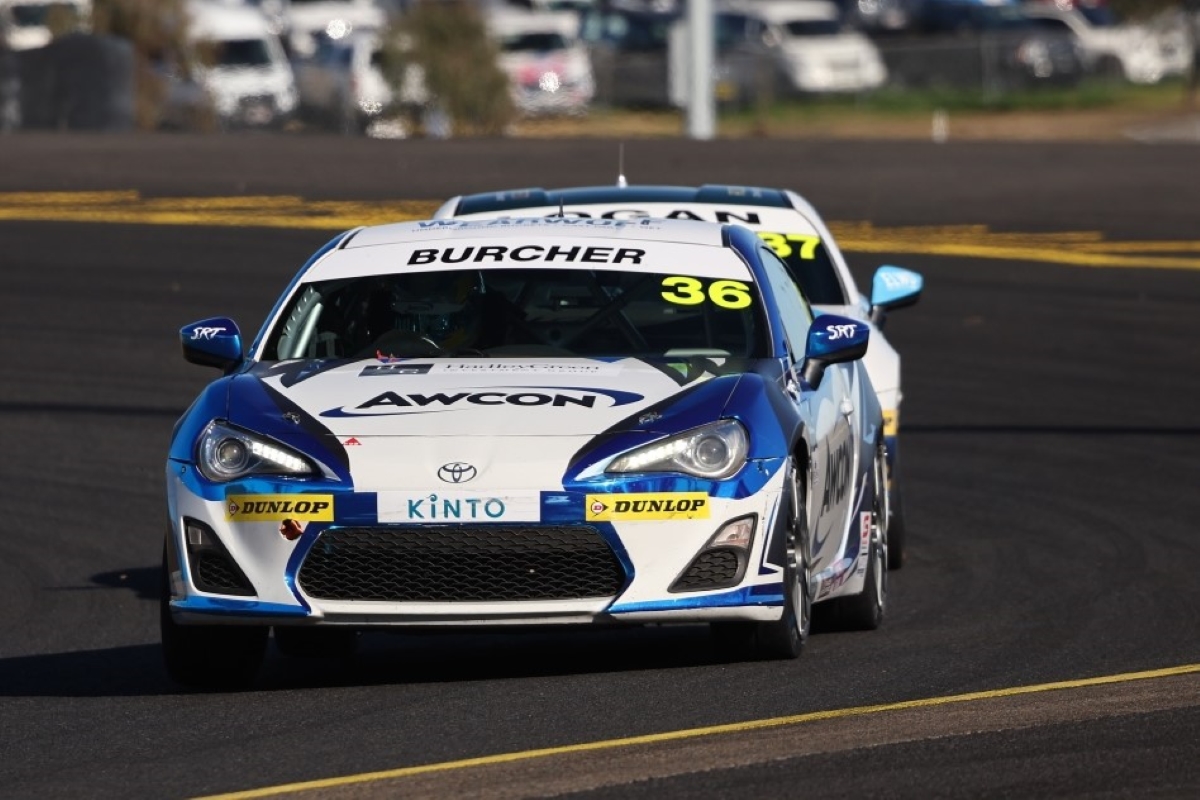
pixel 480 397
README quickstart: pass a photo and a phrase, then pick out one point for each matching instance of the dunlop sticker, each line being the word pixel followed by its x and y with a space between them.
pixel 278 507
pixel 646 506
pixel 891 423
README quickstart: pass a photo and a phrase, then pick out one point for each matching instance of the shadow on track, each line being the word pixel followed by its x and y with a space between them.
pixel 383 659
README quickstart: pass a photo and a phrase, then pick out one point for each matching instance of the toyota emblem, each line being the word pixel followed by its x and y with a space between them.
pixel 457 472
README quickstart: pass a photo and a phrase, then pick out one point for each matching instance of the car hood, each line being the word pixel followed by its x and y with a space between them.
pixel 847 45
pixel 390 422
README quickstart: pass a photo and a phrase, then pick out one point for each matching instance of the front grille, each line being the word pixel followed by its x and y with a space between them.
pixel 461 564
pixel 213 571
pixel 712 569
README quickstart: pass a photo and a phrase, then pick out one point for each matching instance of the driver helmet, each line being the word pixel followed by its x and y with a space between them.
pixel 442 306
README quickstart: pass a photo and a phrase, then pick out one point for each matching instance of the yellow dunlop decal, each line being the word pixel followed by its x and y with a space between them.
pixel 891 423
pixel 647 506
pixel 278 507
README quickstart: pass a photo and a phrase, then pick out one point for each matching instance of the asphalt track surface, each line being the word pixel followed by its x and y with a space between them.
pixel 1042 641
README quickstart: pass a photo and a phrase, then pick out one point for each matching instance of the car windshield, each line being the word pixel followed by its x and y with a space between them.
pixel 241 53
pixel 813 27
pixel 533 42
pixel 501 312
pixel 810 265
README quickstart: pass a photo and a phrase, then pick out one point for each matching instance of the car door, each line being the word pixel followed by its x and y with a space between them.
pixel 827 410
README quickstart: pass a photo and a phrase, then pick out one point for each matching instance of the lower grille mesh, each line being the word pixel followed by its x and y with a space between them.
pixel 214 572
pixel 464 564
pixel 712 569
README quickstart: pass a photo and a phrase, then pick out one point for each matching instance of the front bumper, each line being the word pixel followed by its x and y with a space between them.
pixel 345 566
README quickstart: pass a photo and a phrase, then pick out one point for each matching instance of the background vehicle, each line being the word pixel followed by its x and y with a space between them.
pixel 993 47
pixel 342 86
pixel 629 54
pixel 308 21
pixel 548 66
pixel 802 44
pixel 245 69
pixel 26 24
pixel 798 235
pixel 1131 52
pixel 457 423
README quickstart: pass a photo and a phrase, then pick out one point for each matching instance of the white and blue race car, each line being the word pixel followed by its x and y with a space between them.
pixel 794 230
pixel 524 422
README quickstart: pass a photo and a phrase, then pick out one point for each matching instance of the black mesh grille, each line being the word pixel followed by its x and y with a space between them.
pixel 712 569
pixel 213 571
pixel 470 563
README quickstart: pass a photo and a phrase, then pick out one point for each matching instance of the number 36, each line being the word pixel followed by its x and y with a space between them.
pixel 686 291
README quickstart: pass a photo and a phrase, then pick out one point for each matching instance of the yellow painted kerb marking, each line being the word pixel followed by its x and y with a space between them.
pixel 695 733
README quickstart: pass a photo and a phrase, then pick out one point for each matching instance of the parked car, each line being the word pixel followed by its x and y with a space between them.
pixel 629 51
pixel 548 67
pixel 529 423
pixel 27 24
pixel 243 65
pixel 307 21
pixel 803 46
pixel 975 45
pixel 342 86
pixel 1123 50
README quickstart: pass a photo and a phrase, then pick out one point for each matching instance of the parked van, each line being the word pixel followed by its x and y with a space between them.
pixel 245 69
pixel 27 24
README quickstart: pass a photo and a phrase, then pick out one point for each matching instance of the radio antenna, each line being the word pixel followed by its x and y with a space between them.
pixel 621 182
pixel 561 211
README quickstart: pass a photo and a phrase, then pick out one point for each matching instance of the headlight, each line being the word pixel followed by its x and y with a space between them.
pixel 713 451
pixel 225 453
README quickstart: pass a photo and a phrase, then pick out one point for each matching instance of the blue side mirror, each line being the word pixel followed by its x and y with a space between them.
pixel 894 287
pixel 833 340
pixel 212 342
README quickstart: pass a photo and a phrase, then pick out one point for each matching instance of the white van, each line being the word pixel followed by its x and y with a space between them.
pixel 27 24
pixel 246 71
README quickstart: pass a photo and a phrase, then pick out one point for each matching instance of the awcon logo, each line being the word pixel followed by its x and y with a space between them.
pixel 394 403
pixel 837 475
pixel 646 506
pixel 278 507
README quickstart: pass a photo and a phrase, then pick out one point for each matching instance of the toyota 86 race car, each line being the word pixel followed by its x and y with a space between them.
pixel 791 226
pixel 458 424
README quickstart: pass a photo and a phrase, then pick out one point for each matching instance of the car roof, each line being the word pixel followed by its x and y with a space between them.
pixel 379 249
pixel 715 194
pixel 755 207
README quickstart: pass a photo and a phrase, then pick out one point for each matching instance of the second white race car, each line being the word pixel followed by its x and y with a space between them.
pixel 791 226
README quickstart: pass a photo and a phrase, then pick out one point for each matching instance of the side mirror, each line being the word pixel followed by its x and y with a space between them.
pixel 833 340
pixel 892 288
pixel 212 342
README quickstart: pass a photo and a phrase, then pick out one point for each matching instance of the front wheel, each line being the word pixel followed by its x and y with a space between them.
pixel 783 638
pixel 208 656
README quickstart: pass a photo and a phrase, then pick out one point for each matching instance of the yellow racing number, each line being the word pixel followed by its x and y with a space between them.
pixel 686 291
pixel 782 243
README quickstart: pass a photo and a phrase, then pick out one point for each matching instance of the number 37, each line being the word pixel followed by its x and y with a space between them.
pixel 686 291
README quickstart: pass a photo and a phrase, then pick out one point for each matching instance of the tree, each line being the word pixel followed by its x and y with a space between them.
pixel 446 44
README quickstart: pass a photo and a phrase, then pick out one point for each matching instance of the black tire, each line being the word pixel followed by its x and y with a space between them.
pixel 208 656
pixel 897 533
pixel 865 610
pixel 897 539
pixel 783 638
pixel 296 642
